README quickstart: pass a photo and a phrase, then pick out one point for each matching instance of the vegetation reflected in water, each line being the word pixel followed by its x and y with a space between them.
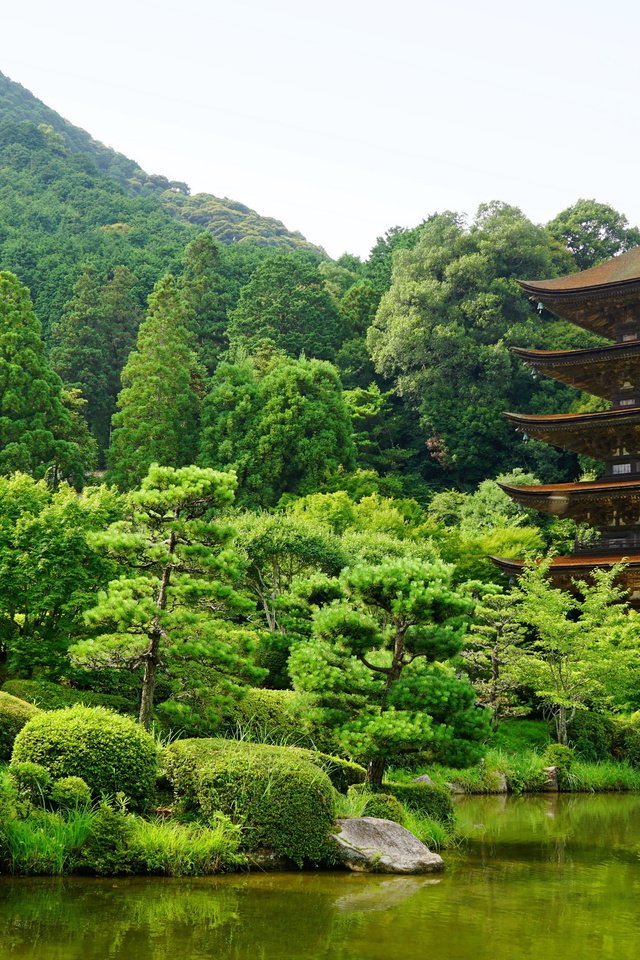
pixel 538 874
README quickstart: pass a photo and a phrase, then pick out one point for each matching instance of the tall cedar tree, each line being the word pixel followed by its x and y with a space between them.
pixel 172 613
pixel 36 434
pixel 286 302
pixel 92 341
pixel 159 404
pixel 203 290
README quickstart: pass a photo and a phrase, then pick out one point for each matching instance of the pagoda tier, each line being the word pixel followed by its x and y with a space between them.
pixel 611 435
pixel 602 299
pixel 565 570
pixel 611 371
pixel 600 503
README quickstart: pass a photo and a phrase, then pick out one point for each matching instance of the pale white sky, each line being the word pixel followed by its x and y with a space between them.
pixel 348 117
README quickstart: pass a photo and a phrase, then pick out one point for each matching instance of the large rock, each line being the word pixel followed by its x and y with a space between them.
pixel 370 845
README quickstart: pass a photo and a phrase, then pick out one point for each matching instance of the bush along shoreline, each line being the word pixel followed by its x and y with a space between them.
pixel 89 791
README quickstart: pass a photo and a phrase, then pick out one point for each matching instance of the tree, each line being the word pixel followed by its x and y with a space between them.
pixel 50 573
pixel 281 424
pixel 174 610
pixel 203 292
pixel 377 664
pixel 443 330
pixel 286 302
pixel 159 406
pixel 581 648
pixel 593 232
pixel 35 428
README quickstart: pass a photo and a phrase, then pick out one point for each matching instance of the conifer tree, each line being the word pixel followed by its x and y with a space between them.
pixel 159 404
pixel 36 436
pixel 80 352
pixel 93 340
pixel 203 292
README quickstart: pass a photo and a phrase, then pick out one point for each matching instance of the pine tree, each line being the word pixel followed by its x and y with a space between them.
pixel 203 292
pixel 35 431
pixel 159 404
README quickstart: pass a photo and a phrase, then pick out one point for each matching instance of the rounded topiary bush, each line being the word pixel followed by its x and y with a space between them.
pixel 111 752
pixel 282 802
pixel 68 793
pixel 385 807
pixel 32 781
pixel 429 799
pixel 14 713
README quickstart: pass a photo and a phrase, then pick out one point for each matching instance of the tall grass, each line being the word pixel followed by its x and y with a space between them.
pixel 46 843
pixel 185 850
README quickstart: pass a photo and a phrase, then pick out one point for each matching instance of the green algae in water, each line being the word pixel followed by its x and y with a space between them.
pixel 538 875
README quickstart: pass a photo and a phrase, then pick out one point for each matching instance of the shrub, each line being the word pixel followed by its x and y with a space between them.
pixel 281 800
pixel 592 735
pixel 386 807
pixel 33 782
pixel 14 713
pixel 69 793
pixel 111 752
pixel 53 696
pixel 8 812
pixel 558 755
pixel 184 757
pixel 626 739
pixel 430 800
pixel 107 848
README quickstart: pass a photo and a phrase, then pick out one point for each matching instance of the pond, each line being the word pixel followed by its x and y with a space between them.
pixel 539 876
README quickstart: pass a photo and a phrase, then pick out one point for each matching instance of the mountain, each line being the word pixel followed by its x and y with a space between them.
pixel 65 198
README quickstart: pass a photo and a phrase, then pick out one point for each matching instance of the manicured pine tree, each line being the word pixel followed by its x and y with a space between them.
pixel 35 432
pixel 159 404
pixel 202 287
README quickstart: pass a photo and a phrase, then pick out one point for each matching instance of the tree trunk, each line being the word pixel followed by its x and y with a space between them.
pixel 375 771
pixel 148 687
pixel 561 726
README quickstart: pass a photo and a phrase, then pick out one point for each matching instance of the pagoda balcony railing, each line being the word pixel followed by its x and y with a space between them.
pixel 627 541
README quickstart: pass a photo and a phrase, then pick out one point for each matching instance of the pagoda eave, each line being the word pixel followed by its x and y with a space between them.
pixel 602 434
pixel 565 570
pixel 604 371
pixel 589 502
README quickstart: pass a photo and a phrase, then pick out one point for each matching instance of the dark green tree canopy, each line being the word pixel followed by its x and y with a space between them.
pixel 286 301
pixel 593 232
pixel 158 415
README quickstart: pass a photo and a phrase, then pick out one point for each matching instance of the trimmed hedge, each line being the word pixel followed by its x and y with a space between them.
pixel 110 752
pixel 282 801
pixel 14 713
pixel 386 807
pixel 183 758
pixel 428 799
pixel 53 696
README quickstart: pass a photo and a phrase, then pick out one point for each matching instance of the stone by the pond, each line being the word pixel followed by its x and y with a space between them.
pixel 371 845
pixel 425 778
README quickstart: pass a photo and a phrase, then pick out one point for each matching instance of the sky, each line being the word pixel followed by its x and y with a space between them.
pixel 346 118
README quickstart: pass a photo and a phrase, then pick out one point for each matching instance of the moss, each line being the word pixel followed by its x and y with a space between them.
pixel 111 752
pixel 14 713
pixel 53 696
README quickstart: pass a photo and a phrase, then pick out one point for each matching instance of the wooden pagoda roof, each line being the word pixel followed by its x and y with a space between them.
pixel 597 434
pixel 598 370
pixel 564 570
pixel 598 298
pixel 585 501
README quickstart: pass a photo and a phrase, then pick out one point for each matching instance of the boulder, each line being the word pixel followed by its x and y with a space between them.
pixel 370 845
pixel 425 778
pixel 550 784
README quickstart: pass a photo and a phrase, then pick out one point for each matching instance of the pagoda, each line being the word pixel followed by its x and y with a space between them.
pixel 606 301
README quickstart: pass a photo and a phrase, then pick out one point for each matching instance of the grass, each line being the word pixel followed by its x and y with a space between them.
pixel 185 850
pixel 46 843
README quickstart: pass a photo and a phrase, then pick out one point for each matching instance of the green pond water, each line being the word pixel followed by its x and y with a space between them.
pixel 539 877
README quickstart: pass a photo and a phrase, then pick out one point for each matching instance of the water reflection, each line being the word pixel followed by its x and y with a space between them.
pixel 538 874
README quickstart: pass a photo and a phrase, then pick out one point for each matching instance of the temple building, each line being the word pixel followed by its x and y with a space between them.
pixel 606 301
